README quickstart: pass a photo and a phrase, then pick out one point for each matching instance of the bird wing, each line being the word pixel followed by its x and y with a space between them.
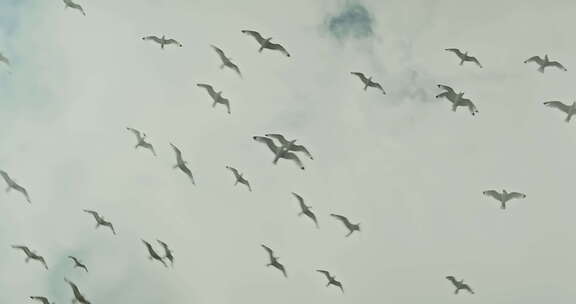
pixel 208 88
pixel 536 59
pixel 254 34
pixel 558 105
pixel 452 280
pixel 136 132
pixel 377 85
pixel 6 177
pixel 281 267
pixel 279 137
pixel 513 195
pixel 178 153
pixel 220 53
pixel 153 38
pixel 475 60
pixel 172 41
pixel 300 148
pixel 447 88
pixel 269 250
pixel 268 143
pixel 455 51
pixel 300 200
pixel 23 248
pixel 294 158
pixel 341 218
pixel 557 65
pixel 326 273
pixel 94 214
pixel 278 47
pixel 361 76
pixel 468 103
pixel 494 194
pixel 44 300
pixel 234 171
pixel 74 259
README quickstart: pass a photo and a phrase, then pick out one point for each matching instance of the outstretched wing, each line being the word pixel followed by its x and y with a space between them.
pixel 326 273
pixel 300 148
pixel 360 75
pixel 294 158
pixel 153 38
pixel 536 59
pixel 219 52
pixel 94 214
pixel 136 132
pixel 254 34
pixel 455 51
pixel 557 65
pixel 173 41
pixel 494 194
pixel 278 47
pixel 279 137
pixel 269 250
pixel 515 195
pixel 447 89
pixel 300 200
pixel 208 88
pixel 23 248
pixel 475 60
pixel 558 105
pixel 341 218
pixel 378 86
pixel 234 171
pixel 6 177
pixel 178 153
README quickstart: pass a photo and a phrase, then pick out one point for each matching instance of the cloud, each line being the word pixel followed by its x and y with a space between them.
pixel 353 21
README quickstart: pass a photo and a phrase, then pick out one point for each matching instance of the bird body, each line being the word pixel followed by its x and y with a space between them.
pixel 274 260
pixel 162 41
pixel 351 227
pixel 331 279
pixel 239 178
pixel 100 221
pixel 275 149
pixel 78 296
pixel 226 61
pixel 368 82
pixel 460 285
pixel 504 196
pixel 545 62
pixel 72 5
pixel 141 140
pixel 181 163
pixel 570 110
pixel 457 99
pixel 265 43
pixel 306 210
pixel 11 184
pixel 216 96
pixel 31 255
pixel 294 147
pixel 464 56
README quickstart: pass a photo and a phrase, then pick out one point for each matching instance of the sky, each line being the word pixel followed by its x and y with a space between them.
pixel 404 165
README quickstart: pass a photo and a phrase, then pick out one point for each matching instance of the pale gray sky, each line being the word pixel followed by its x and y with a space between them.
pixel 404 165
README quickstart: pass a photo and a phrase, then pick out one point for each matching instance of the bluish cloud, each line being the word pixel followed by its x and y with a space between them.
pixel 353 21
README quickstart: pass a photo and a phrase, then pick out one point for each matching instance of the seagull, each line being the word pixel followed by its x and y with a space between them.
pixel 368 82
pixel 216 96
pixel 70 4
pixel 266 43
pixel 100 221
pixel 239 178
pixel 226 61
pixel 274 260
pixel 78 263
pixel 275 149
pixel 153 254
pixel 4 59
pixel 13 185
pixel 141 140
pixel 331 279
pixel 459 285
pixel 504 197
pixel 42 300
pixel 162 41
pixel 305 210
pixel 544 63
pixel 568 109
pixel 464 56
pixel 167 252
pixel 283 148
pixel 351 227
pixel 181 163
pixel 294 147
pixel 31 255
pixel 458 100
pixel 78 296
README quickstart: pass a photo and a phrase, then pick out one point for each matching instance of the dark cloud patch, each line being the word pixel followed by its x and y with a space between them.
pixel 353 21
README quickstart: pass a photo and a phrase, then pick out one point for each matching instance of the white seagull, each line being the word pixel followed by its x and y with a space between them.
pixel 504 196
pixel 368 82
pixel 100 221
pixel 457 100
pixel 351 227
pixel 181 164
pixel 226 61
pixel 141 140
pixel 13 185
pixel 459 285
pixel 570 110
pixel 31 255
pixel 305 210
pixel 239 178
pixel 78 296
pixel 274 260
pixel 167 252
pixel 331 279
pixel 153 255
pixel 72 5
pixel 216 96
pixel 275 149
pixel 78 263
pixel 162 41
pixel 266 43
pixel 544 63
pixel 294 147
pixel 464 56
pixel 43 300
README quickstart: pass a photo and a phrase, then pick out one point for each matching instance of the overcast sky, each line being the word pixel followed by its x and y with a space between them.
pixel 404 165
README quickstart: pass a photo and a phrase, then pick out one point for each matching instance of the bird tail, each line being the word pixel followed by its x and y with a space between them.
pixel 541 69
pixel 568 118
pixel 214 104
pixel 502 205
pixel 260 49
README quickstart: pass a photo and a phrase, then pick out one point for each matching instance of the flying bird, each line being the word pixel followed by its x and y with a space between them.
pixel 275 149
pixel 78 263
pixel 457 100
pixel 162 41
pixel 331 279
pixel 42 300
pixel 31 255
pixel 239 178
pixel 13 185
pixel 282 149
pixel 100 221
pixel 153 255
pixel 181 164
pixel 216 96
pixel 226 61
pixel 460 285
pixel 141 140
pixel 72 5
pixel 266 43
pixel 368 82
pixel 294 147
pixel 448 92
pixel 4 59
pixel 274 260
pixel 570 110
pixel 78 296
pixel 167 252
pixel 504 196
pixel 305 210
pixel 544 63
pixel 464 56
pixel 351 227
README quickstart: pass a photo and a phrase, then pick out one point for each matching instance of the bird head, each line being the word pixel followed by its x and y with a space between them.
pixel 268 39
